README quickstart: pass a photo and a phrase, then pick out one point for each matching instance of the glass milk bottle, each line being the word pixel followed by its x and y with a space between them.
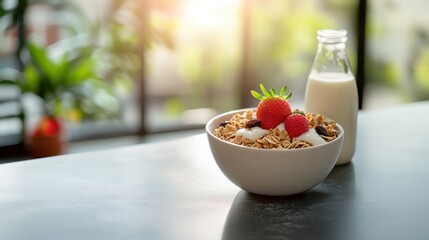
pixel 331 88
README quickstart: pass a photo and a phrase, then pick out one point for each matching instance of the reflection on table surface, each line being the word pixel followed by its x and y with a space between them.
pixel 320 213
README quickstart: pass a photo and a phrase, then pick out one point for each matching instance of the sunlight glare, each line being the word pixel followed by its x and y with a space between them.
pixel 209 14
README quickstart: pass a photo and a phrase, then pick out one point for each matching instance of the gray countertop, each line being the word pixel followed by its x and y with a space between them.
pixel 174 190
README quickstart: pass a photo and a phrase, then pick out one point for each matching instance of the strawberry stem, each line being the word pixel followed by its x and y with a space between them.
pixel 297 111
pixel 283 91
pixel 271 93
pixel 266 93
pixel 256 95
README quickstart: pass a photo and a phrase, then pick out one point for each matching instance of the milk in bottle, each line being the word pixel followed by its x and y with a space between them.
pixel 331 88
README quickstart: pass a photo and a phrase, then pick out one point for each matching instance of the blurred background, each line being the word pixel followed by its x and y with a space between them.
pixel 114 68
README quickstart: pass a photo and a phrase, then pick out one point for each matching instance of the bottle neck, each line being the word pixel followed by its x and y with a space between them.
pixel 331 56
pixel 329 46
pixel 332 36
pixel 332 40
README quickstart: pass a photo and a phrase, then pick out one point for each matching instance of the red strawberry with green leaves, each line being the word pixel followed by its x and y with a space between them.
pixel 273 109
pixel 296 124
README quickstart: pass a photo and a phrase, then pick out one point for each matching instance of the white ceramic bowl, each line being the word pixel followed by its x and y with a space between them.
pixel 275 172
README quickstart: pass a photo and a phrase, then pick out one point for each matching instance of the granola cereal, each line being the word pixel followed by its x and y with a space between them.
pixel 275 138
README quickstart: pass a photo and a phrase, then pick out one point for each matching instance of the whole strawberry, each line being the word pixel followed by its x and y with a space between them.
pixel 296 124
pixel 273 109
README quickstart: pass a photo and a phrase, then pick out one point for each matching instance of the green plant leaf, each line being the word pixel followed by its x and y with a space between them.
pixel 41 60
pixel 63 69
pixel 273 92
pixel 8 82
pixel 3 11
pixel 82 71
pixel 31 81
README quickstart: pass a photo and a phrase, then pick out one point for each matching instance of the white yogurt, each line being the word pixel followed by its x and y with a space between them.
pixel 312 137
pixel 256 132
pixel 281 127
pixel 252 134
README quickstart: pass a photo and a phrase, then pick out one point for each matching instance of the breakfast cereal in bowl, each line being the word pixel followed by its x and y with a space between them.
pixel 274 125
pixel 272 150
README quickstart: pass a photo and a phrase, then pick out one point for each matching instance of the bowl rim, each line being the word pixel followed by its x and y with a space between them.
pixel 210 122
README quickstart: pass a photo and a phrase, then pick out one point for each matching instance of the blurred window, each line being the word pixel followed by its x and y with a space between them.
pixel 172 64
pixel 206 56
pixel 397 56
pixel 193 62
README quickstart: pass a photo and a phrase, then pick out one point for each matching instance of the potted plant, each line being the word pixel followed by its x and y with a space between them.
pixel 52 80
pixel 67 83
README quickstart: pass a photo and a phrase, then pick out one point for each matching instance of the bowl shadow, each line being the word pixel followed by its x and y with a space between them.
pixel 319 213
